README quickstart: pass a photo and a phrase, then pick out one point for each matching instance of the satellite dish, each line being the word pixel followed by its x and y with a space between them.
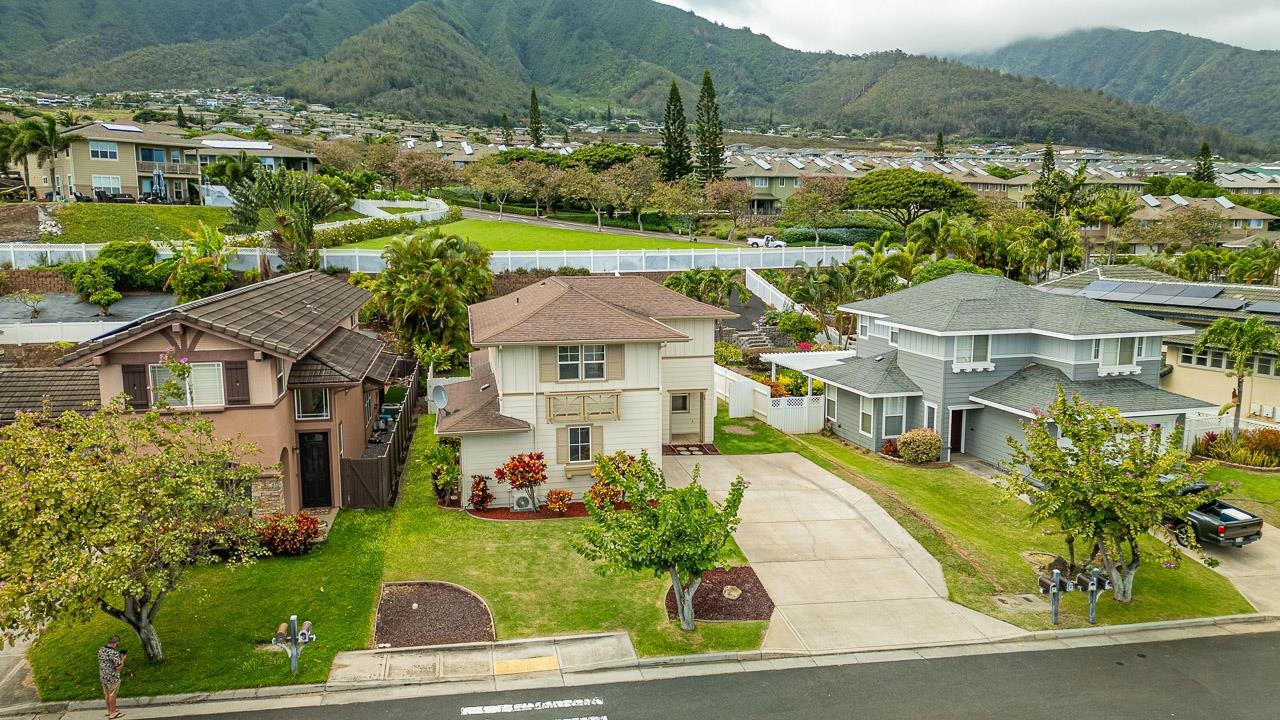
pixel 440 397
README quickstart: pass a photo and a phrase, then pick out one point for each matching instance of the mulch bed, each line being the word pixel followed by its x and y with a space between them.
pixel 709 602
pixel 576 510
pixel 446 614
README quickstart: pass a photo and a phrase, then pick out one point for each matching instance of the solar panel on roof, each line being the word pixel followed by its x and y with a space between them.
pixel 1202 291
pixel 1136 288
pixel 1102 286
pixel 1119 296
pixel 1163 291
pixel 122 128
pixel 1151 201
pixel 1179 199
pixel 1184 301
pixel 795 163
pixel 1224 202
pixel 1267 308
pixel 1223 303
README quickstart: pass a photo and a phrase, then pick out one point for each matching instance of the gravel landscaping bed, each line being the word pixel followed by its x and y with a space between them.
pixel 710 603
pixel 430 613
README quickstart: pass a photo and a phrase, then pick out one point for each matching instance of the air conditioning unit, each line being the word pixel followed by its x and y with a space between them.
pixel 521 502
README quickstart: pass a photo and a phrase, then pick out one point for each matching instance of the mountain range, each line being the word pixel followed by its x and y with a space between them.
pixel 472 60
pixel 1209 82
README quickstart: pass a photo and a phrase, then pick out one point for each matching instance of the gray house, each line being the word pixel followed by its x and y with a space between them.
pixel 972 356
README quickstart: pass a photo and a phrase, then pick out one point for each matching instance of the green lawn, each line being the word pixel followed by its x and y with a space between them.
pixel 520 236
pixel 1257 492
pixel 400 210
pixel 344 215
pixel 532 579
pixel 963 522
pixel 215 626
pixel 104 222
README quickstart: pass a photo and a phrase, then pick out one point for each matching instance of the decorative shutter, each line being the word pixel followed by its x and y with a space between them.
pixel 615 362
pixel 547 363
pixel 237 379
pixel 135 386
pixel 562 445
pixel 597 440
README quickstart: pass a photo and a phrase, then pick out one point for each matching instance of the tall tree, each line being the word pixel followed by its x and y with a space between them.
pixel 679 532
pixel 817 198
pixel 594 189
pixel 1204 170
pixel 1242 341
pixel 1113 209
pixel 493 179
pixel 505 128
pixel 71 118
pixel 731 197
pixel 679 199
pixel 1047 162
pixel 535 118
pixel 296 201
pixel 677 153
pixel 633 184
pixel 107 511
pixel 423 171
pixel 181 117
pixel 939 148
pixel 231 169
pixel 904 195
pixel 44 138
pixel 708 129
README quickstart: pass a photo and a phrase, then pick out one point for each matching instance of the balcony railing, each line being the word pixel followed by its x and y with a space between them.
pixel 149 168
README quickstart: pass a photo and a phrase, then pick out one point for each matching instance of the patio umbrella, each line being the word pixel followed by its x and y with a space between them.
pixel 157 184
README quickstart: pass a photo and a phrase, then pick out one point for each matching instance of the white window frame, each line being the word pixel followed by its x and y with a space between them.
pixel 103 150
pixel 570 444
pixel 576 357
pixel 931 407
pixel 297 404
pixel 1258 360
pixel 893 336
pixel 189 400
pixel 866 415
pixel 114 188
pixel 281 385
pixel 864 327
pixel 568 356
pixel 681 396
pixel 593 356
pixel 760 182
pixel 964 356
pixel 831 407
pixel 885 415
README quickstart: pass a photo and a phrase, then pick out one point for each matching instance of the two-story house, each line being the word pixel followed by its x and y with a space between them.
pixel 276 363
pixel 579 366
pixel 973 356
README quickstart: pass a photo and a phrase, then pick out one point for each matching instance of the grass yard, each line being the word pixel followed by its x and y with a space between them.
pixel 504 235
pixel 533 581
pixel 961 520
pixel 214 627
pixel 344 215
pixel 104 222
pixel 400 210
pixel 1258 492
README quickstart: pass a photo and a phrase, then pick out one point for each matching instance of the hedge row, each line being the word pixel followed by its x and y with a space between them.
pixel 839 236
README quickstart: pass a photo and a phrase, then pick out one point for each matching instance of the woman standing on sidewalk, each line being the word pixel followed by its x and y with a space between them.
pixel 110 661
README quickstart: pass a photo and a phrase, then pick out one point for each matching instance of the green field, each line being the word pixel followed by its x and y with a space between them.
pixel 105 222
pixel 1257 492
pixel 520 236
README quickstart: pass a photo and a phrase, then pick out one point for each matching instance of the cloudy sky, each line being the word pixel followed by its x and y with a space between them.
pixel 949 26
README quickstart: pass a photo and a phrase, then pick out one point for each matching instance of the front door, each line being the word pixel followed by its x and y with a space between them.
pixel 957 431
pixel 313 465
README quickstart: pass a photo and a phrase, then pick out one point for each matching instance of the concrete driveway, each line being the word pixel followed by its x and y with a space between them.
pixel 843 574
pixel 16 686
pixel 1254 569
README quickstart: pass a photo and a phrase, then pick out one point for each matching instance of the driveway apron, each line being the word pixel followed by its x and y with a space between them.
pixel 843 574
pixel 1254 569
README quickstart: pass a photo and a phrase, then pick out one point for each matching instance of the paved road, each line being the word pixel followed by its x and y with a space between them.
pixel 1221 677
pixel 475 214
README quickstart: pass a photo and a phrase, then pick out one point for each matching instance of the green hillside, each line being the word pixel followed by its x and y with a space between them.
pixel 472 60
pixel 1229 87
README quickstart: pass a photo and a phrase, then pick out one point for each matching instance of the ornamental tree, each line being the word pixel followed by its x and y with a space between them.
pixel 678 531
pixel 817 198
pixel 108 510
pixel 904 195
pixel 1106 479
pixel 731 197
pixel 525 472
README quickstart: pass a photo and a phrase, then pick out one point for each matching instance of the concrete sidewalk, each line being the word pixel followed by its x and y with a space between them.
pixel 16 685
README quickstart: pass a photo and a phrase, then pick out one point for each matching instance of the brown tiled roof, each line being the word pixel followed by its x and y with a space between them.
pixel 574 309
pixel 343 358
pixel 287 315
pixel 68 389
pixel 383 366
pixel 150 134
pixel 473 405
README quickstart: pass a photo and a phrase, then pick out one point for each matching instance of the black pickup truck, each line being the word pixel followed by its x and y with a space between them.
pixel 1216 523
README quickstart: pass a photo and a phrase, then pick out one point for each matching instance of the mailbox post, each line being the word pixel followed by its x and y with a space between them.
pixel 1095 585
pixel 1054 586
pixel 291 637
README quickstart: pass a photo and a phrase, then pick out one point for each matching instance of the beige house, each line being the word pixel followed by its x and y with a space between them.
pixel 277 363
pixel 578 366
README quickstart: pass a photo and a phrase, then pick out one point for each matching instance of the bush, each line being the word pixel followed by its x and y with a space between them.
pixel 776 388
pixel 130 265
pixel 289 534
pixel 921 445
pixel 1245 451
pixel 356 232
pixel 558 500
pixel 727 353
pixel 1262 440
pixel 602 492
pixel 192 281
pixel 524 471
pixel 800 327
pixel 889 447
pixel 839 236
pixel 95 286
pixel 480 495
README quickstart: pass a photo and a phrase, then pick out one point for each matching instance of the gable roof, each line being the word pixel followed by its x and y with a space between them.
pixel 68 389
pixel 287 315
pixel 577 309
pixel 1036 386
pixel 969 303
pixel 874 376
pixel 343 358
pixel 473 405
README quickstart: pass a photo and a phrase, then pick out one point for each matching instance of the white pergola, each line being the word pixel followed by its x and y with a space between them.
pixel 803 362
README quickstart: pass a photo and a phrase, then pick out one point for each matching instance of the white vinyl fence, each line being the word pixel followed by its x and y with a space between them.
pixel 768 293
pixel 51 332
pixel 1200 423
pixel 748 398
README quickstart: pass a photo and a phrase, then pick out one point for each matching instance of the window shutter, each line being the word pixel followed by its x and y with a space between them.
pixel 547 363
pixel 237 379
pixel 135 386
pixel 562 445
pixel 597 440
pixel 615 362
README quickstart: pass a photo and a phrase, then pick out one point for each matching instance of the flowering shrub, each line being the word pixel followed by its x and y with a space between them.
pixel 1262 440
pixel 921 445
pixel 775 387
pixel 1256 448
pixel 558 500
pixel 889 448
pixel 603 493
pixel 525 471
pixel 480 495
pixel 804 346
pixel 289 534
pixel 727 353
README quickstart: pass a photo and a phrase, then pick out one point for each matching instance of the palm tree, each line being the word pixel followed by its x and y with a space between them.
pixel 875 267
pixel 1056 236
pixel 70 118
pixel 715 286
pixel 44 138
pixel 1113 209
pixel 295 201
pixel 15 146
pixel 943 235
pixel 1241 341
pixel 231 169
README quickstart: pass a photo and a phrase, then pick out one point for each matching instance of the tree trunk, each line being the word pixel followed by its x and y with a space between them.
pixel 599 219
pixel 684 598
pixel 1122 572
pixel 816 236
pixel 499 203
pixel 1071 553
pixel 150 640
pixel 139 614
pixel 733 229
pixel 535 208
pixel 26 172
pixel 1235 426
pixel 640 219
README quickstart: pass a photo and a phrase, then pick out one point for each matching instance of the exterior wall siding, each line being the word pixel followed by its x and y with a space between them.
pixel 1215 388
pixel 986 432
pixel 847 419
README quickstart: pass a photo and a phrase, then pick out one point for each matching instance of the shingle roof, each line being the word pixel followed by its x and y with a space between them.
pixel 68 389
pixel 148 134
pixel 287 315
pixel 876 375
pixel 343 358
pixel 966 302
pixel 1136 273
pixel 1036 386
pixel 575 309
pixel 473 405
pixel 383 366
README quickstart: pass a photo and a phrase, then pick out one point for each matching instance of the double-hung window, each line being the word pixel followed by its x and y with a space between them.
pixel 895 410
pixel 580 362
pixel 1117 352
pixel 101 150
pixel 864 326
pixel 203 388
pixel 973 349
pixel 866 410
pixel 279 377
pixel 580 444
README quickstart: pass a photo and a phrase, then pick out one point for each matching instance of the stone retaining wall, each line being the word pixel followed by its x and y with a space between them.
pixel 37 281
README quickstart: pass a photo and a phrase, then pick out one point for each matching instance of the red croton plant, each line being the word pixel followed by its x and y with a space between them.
pixel 524 471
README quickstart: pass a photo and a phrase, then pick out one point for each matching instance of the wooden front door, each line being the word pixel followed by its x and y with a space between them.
pixel 313 466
